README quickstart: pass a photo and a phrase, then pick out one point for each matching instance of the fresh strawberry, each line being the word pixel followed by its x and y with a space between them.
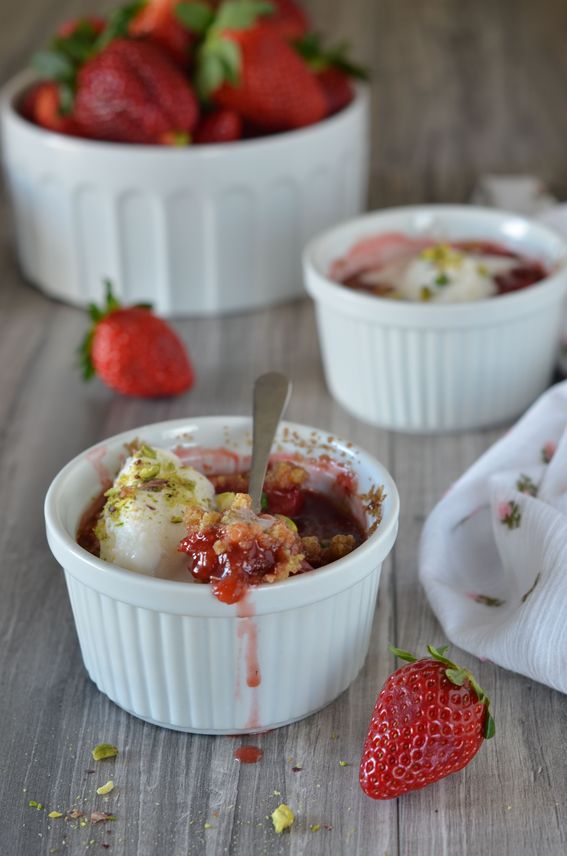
pixel 245 65
pixel 430 720
pixel 158 22
pixel 290 21
pixel 338 88
pixel 132 92
pixel 76 42
pixel 333 68
pixel 135 352
pixel 41 104
pixel 70 28
pixel 220 126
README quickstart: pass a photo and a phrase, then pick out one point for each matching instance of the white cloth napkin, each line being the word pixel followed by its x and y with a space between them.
pixel 493 554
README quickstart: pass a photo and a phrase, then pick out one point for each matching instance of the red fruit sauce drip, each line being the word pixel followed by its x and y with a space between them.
pixel 248 754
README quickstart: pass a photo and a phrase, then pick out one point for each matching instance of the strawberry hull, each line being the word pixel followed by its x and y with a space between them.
pixel 199 230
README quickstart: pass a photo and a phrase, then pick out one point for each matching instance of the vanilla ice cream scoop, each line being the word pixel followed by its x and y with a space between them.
pixel 141 524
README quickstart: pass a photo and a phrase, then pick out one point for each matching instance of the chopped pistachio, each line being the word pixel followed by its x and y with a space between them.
pixel 344 764
pixel 149 472
pixel 176 519
pixel 282 818
pixel 55 814
pixel 104 750
pixel 425 293
pixel 207 826
pixel 315 827
pixel 224 500
pixel 443 256
pixel 105 789
pixel 147 451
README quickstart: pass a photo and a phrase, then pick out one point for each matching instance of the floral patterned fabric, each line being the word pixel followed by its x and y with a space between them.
pixel 493 555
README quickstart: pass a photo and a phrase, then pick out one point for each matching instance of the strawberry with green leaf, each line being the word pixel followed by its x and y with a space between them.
pixel 430 719
pixel 76 42
pixel 134 352
pixel 244 64
pixel 333 68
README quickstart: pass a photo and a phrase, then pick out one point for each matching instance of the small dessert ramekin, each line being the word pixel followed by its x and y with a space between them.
pixel 200 230
pixel 427 367
pixel 170 652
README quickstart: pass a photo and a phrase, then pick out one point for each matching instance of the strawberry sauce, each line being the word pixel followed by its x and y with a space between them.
pixel 248 754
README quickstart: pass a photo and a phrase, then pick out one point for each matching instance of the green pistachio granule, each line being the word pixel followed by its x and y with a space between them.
pixel 104 750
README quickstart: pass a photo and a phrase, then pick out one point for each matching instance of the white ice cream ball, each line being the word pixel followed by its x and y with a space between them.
pixel 142 521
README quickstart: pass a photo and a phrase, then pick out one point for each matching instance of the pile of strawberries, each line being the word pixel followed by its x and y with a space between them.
pixel 175 72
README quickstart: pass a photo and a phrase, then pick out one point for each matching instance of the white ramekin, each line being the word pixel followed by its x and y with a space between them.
pixel 196 231
pixel 425 367
pixel 170 652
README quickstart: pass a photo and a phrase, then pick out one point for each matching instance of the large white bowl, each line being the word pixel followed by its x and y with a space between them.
pixel 196 231
pixel 171 653
pixel 425 367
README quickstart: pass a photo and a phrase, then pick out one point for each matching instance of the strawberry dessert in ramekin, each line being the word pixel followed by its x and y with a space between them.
pixel 437 317
pixel 197 614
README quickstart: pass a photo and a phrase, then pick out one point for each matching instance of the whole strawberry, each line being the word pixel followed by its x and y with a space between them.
pixel 430 719
pixel 135 352
pixel 244 64
pixel 134 93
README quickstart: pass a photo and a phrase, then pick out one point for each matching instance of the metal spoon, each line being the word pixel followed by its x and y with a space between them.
pixel 272 392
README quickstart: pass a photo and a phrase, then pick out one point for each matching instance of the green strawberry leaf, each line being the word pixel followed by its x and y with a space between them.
pixel 241 14
pixel 53 65
pixel 79 45
pixel 311 48
pixel 66 97
pixel 196 17
pixel 489 726
pixel 439 655
pixel 112 302
pixel 210 74
pixel 231 57
pixel 402 655
pixel 264 501
pixel 118 23
pixel 457 676
pixel 96 314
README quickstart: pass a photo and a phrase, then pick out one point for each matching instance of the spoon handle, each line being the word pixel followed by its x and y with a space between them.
pixel 271 396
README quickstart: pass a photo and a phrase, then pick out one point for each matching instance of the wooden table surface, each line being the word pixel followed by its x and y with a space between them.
pixel 460 89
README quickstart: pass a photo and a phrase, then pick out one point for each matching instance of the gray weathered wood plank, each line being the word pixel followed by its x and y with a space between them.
pixel 459 90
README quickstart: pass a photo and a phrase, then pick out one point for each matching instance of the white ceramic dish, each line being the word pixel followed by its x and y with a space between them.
pixel 196 231
pixel 171 653
pixel 425 367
